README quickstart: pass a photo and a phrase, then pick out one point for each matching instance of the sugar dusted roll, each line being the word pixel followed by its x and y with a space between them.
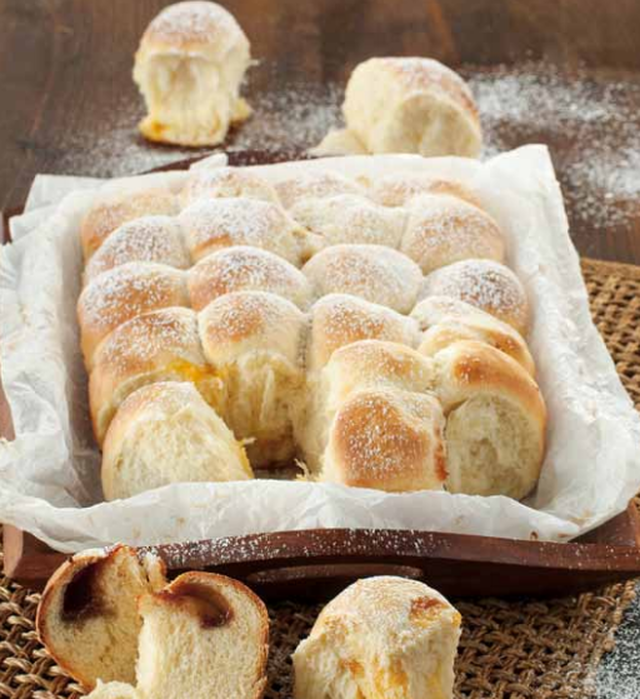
pixel 212 224
pixel 496 421
pixel 339 319
pixel 410 105
pixel 358 366
pixel 112 210
pixel 372 272
pixel 387 440
pixel 166 433
pixel 442 229
pixel 147 239
pixel 399 189
pixel 349 218
pixel 124 293
pixel 485 284
pixel 161 345
pixel 189 68
pixel 381 637
pixel 254 341
pixel 315 184
pixel 447 320
pixel 225 182
pixel 244 268
pixel 87 617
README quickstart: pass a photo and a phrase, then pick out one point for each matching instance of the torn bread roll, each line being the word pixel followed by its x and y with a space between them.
pixel 254 341
pixel 381 637
pixel 226 182
pixel 244 268
pixel 443 229
pixel 112 210
pixel 87 617
pixel 148 239
pixel 485 284
pixel 496 421
pixel 161 345
pixel 189 67
pixel 213 224
pixel 446 320
pixel 123 293
pixel 166 433
pixel 371 272
pixel 409 105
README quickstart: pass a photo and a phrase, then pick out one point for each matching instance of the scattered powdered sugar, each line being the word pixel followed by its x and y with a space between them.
pixel 588 118
pixel 483 283
pixel 315 184
pixel 226 182
pixel 192 21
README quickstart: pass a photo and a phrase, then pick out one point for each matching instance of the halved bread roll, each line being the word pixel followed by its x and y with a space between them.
pixel 162 345
pixel 147 239
pixel 485 284
pixel 216 182
pixel 166 433
pixel 372 272
pixel 88 617
pixel 189 67
pixel 339 319
pixel 382 637
pixel 446 320
pixel 387 439
pixel 496 421
pixel 349 218
pixel 213 224
pixel 443 229
pixel 111 211
pixel 244 268
pixel 123 293
pixel 354 367
pixel 399 189
pixel 254 341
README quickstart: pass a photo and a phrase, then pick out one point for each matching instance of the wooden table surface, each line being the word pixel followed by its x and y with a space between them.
pixel 70 106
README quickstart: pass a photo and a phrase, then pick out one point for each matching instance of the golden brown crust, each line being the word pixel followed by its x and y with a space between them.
pixel 401 188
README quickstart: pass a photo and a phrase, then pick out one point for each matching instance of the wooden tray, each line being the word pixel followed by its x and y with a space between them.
pixel 314 564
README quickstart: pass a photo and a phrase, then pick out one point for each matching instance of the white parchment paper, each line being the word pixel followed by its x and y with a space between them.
pixel 49 475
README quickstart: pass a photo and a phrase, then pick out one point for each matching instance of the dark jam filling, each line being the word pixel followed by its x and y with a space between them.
pixel 81 598
pixel 210 607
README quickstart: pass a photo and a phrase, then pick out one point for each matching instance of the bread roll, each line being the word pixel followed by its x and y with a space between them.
pixel 339 142
pixel 446 320
pixel 147 239
pixel 243 268
pixel 358 366
pixel 387 439
pixel 349 218
pixel 382 637
pixel 123 293
pixel 165 433
pixel 204 636
pixel 338 320
pixel 111 211
pixel 315 184
pixel 114 690
pixel 401 188
pixel 213 224
pixel 442 229
pixel 496 420
pixel 484 284
pixel 254 341
pixel 216 182
pixel 159 346
pixel 87 616
pixel 372 272
pixel 189 67
pixel 411 105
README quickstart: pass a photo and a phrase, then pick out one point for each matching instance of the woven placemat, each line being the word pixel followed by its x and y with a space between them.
pixel 520 650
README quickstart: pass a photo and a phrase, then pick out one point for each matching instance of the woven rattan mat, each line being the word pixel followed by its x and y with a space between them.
pixel 521 649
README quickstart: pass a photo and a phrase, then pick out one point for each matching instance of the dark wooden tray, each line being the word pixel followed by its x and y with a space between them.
pixel 314 564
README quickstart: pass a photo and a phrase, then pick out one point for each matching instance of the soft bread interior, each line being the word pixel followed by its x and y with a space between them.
pixel 188 649
pixel 492 448
pixel 88 617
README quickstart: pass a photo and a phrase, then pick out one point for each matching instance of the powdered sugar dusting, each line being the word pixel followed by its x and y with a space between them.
pixel 226 182
pixel 315 184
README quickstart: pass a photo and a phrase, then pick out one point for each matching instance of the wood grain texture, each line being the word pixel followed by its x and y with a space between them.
pixel 70 105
